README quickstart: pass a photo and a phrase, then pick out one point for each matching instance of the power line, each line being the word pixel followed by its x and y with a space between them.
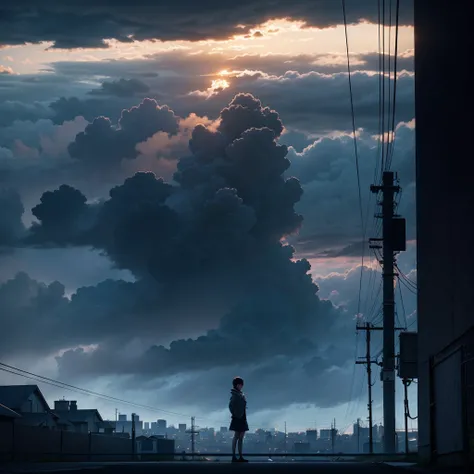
pixel 383 85
pixel 356 152
pixel 73 388
pixel 403 305
pixel 412 323
pixel 407 280
pixel 65 386
pixel 363 229
pixel 389 137
pixel 394 100
pixel 356 349
pixel 376 178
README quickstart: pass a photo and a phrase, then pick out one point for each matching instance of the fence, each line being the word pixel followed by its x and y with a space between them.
pixel 30 443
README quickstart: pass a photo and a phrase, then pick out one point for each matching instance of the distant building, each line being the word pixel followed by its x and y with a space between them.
pixel 84 421
pixel 161 425
pixel 124 425
pixel 325 434
pixel 312 437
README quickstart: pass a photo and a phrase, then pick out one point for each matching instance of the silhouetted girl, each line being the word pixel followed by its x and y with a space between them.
pixel 238 409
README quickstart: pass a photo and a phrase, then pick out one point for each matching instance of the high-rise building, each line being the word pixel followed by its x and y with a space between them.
pixel 161 424
pixel 312 436
pixel 182 427
pixel 325 434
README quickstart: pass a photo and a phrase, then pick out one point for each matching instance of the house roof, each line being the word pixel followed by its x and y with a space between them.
pixel 7 413
pixel 76 416
pixel 13 396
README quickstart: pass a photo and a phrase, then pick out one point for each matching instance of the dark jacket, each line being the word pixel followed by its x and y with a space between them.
pixel 237 403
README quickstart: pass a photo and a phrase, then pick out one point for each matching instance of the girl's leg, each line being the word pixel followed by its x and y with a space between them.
pixel 241 440
pixel 234 443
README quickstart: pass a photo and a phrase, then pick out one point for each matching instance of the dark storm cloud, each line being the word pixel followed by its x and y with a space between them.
pixel 221 159
pixel 217 233
pixel 327 172
pixel 68 108
pixel 101 143
pixel 11 210
pixel 342 289
pixel 122 88
pixel 27 97
pixel 60 212
pixel 75 24
pixel 11 111
pixel 211 242
pixel 42 88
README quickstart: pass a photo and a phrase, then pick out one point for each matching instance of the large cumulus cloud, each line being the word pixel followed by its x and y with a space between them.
pixel 101 143
pixel 207 248
pixel 11 211
pixel 327 172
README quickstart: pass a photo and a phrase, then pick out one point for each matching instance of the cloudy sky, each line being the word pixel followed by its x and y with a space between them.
pixel 179 203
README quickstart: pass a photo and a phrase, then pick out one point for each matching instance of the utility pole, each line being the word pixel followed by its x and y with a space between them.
pixel 333 434
pixel 358 435
pixel 367 361
pixel 193 431
pixel 193 439
pixel 405 405
pixel 134 447
pixel 393 240
pixel 285 438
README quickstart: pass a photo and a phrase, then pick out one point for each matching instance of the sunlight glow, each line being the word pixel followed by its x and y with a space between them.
pixel 217 85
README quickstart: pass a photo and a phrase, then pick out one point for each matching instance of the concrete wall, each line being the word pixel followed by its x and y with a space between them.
pixel 28 443
pixel 445 197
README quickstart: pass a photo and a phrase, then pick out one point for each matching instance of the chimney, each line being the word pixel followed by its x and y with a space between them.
pixel 61 405
pixel 73 405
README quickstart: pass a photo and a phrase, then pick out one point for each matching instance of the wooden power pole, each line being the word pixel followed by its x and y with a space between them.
pixel 393 240
pixel 367 361
pixel 193 431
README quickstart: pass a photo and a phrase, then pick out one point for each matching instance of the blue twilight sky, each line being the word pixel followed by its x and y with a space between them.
pixel 156 166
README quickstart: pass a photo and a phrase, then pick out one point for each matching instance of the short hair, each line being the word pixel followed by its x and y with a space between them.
pixel 237 381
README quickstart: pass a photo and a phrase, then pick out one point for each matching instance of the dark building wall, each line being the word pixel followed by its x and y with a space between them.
pixel 445 201
pixel 30 443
